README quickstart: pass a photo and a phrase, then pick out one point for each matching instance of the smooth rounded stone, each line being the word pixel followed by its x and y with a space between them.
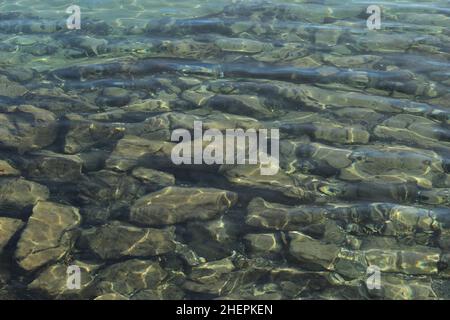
pixel 54 167
pixel 309 250
pixel 132 151
pixel 175 205
pixel 26 128
pixel 48 235
pixel 129 277
pixel 263 244
pixel 11 89
pixel 116 240
pixel 7 169
pixel 414 260
pixel 249 176
pixel 8 228
pixel 154 178
pixel 263 214
pixel 53 281
pixel 84 134
pixel 20 194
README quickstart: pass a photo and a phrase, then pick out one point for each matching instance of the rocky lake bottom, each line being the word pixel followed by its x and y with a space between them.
pixel 87 178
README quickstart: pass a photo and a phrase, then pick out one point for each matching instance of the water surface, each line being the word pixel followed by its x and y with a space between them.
pixel 358 210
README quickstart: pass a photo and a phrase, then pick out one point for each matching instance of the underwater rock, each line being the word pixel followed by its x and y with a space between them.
pixel 8 228
pixel 410 129
pixel 132 151
pixel 402 192
pixel 7 169
pixel 11 89
pixel 214 239
pixel 48 235
pixel 107 195
pixel 115 240
pixel 20 194
pixel 173 205
pixel 249 176
pixel 335 133
pixel 54 167
pixel 165 291
pixel 395 287
pixel 107 186
pixel 242 45
pixel 245 105
pixel 129 277
pixel 307 249
pixel 389 219
pixel 263 214
pixel 263 244
pixel 415 260
pixel 26 128
pixel 376 163
pixel 154 178
pixel 113 97
pixel 84 134
pixel 214 277
pixel 53 281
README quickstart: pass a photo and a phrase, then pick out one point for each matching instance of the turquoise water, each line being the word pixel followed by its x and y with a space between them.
pixel 358 208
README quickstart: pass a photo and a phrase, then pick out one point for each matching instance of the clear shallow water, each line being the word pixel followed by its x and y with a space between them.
pixel 86 177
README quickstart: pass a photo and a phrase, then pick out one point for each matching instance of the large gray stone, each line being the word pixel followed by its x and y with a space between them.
pixel 48 235
pixel 115 240
pixel 175 204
